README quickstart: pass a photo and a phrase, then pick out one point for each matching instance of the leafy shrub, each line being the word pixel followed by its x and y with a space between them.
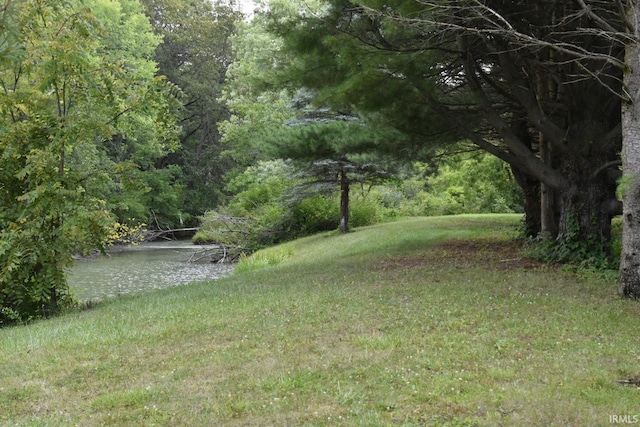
pixel 311 215
pixel 33 263
pixel 253 217
pixel 364 211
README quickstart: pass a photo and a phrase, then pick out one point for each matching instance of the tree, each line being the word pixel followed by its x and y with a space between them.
pixel 255 105
pixel 195 55
pixel 60 99
pixel 629 280
pixel 329 145
pixel 501 74
pixel 274 119
pixel 137 189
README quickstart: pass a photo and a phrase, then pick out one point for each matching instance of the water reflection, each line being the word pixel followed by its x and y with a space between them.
pixel 152 265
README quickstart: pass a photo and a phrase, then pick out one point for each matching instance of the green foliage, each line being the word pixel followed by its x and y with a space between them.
pixel 64 95
pixel 136 195
pixel 311 215
pixel 464 183
pixel 364 211
pixel 127 34
pixel 262 216
pixel 570 248
pixel 195 55
pixel 256 201
pixel 255 105
pixel 321 213
pixel 349 63
pixel 625 184
pixel 37 242
pixel 259 185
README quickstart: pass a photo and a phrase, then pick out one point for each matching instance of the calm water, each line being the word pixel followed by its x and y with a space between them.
pixel 152 265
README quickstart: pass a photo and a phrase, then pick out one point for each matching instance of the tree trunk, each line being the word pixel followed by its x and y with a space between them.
pixel 585 219
pixel 547 90
pixel 344 202
pixel 629 278
pixel 531 192
pixel 548 221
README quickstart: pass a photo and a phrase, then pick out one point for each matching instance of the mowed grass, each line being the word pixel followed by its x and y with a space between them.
pixel 428 321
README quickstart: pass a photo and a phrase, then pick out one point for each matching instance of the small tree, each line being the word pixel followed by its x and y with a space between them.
pixel 329 147
pixel 324 176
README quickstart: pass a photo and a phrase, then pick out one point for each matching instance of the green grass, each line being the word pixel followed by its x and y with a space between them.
pixel 428 321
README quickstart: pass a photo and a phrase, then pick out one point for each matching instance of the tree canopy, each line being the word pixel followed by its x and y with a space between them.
pixel 66 93
pixel 537 84
pixel 195 55
pixel 545 86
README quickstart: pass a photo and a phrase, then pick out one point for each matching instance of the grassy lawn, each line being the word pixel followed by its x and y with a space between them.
pixel 429 321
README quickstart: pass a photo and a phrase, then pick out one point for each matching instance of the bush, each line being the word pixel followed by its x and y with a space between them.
pixel 311 215
pixel 364 211
pixel 254 216
pixel 265 217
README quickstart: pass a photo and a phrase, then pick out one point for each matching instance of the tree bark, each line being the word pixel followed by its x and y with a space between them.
pixel 585 217
pixel 629 276
pixel 548 222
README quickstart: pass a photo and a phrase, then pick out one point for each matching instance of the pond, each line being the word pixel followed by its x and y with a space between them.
pixel 132 269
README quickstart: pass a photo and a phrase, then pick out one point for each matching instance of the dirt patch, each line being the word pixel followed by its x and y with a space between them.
pixel 492 254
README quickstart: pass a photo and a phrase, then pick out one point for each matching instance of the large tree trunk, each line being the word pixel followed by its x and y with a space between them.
pixel 629 279
pixel 585 219
pixel 585 201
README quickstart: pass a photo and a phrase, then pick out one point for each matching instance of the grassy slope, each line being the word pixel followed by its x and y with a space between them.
pixel 432 321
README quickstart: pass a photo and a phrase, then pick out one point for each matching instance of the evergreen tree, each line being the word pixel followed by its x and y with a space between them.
pixel 332 148
pixel 512 77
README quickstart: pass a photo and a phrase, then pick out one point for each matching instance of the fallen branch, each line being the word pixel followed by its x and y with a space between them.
pixel 218 254
pixel 151 235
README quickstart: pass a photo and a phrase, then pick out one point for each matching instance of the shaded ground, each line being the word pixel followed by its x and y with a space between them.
pixel 494 254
